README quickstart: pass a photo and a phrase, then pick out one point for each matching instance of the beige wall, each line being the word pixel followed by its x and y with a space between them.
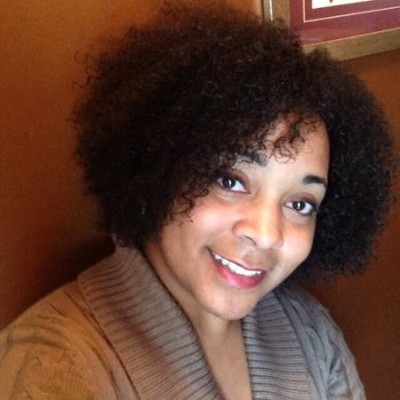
pixel 47 227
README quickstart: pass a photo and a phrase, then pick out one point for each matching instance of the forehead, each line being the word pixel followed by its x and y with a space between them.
pixel 282 173
pixel 285 139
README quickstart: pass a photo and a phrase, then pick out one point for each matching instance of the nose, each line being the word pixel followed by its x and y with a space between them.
pixel 261 224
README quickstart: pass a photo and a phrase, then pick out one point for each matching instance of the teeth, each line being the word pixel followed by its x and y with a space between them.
pixel 237 269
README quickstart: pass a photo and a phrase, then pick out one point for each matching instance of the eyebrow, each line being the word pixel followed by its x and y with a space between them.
pixel 262 161
pixel 315 179
pixel 256 158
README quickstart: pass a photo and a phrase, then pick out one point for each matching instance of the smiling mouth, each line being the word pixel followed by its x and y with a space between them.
pixel 235 268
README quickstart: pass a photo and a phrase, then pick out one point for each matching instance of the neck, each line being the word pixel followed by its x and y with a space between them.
pixel 210 327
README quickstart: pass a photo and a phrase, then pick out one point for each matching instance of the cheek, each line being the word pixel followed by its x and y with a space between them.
pixel 189 232
pixel 301 244
pixel 208 214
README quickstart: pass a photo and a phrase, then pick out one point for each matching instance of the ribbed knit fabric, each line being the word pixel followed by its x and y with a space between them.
pixel 160 350
pixel 117 334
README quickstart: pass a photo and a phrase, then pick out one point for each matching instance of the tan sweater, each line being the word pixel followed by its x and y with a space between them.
pixel 116 333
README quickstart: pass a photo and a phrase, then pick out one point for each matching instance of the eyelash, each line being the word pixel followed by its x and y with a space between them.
pixel 222 177
pixel 313 207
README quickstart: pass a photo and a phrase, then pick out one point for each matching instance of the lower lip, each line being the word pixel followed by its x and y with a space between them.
pixel 238 281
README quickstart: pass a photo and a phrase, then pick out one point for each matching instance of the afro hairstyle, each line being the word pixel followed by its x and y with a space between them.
pixel 196 87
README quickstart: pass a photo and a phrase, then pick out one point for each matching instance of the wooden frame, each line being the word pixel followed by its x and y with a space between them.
pixel 367 26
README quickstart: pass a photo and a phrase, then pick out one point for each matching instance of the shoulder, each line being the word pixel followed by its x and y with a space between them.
pixel 56 349
pixel 329 358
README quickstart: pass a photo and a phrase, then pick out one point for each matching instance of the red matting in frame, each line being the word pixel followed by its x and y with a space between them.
pixel 343 21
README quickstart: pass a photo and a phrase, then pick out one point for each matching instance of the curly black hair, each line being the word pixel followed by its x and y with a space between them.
pixel 196 87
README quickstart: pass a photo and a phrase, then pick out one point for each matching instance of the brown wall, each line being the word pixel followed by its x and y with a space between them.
pixel 47 227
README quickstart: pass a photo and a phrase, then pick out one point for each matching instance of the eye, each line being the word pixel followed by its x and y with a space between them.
pixel 230 182
pixel 303 207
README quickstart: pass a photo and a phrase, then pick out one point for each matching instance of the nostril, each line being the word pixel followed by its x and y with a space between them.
pixel 261 231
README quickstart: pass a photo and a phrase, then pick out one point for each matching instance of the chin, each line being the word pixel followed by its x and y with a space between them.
pixel 232 312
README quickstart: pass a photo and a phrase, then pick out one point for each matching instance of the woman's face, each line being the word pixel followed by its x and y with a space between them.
pixel 247 235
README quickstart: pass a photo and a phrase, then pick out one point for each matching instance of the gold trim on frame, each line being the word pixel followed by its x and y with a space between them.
pixel 345 48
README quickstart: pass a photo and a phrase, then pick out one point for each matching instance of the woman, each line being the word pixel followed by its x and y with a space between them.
pixel 228 163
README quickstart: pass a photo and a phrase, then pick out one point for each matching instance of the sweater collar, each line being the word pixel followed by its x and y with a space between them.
pixel 159 349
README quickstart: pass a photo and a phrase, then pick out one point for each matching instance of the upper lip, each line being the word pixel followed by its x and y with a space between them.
pixel 241 265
